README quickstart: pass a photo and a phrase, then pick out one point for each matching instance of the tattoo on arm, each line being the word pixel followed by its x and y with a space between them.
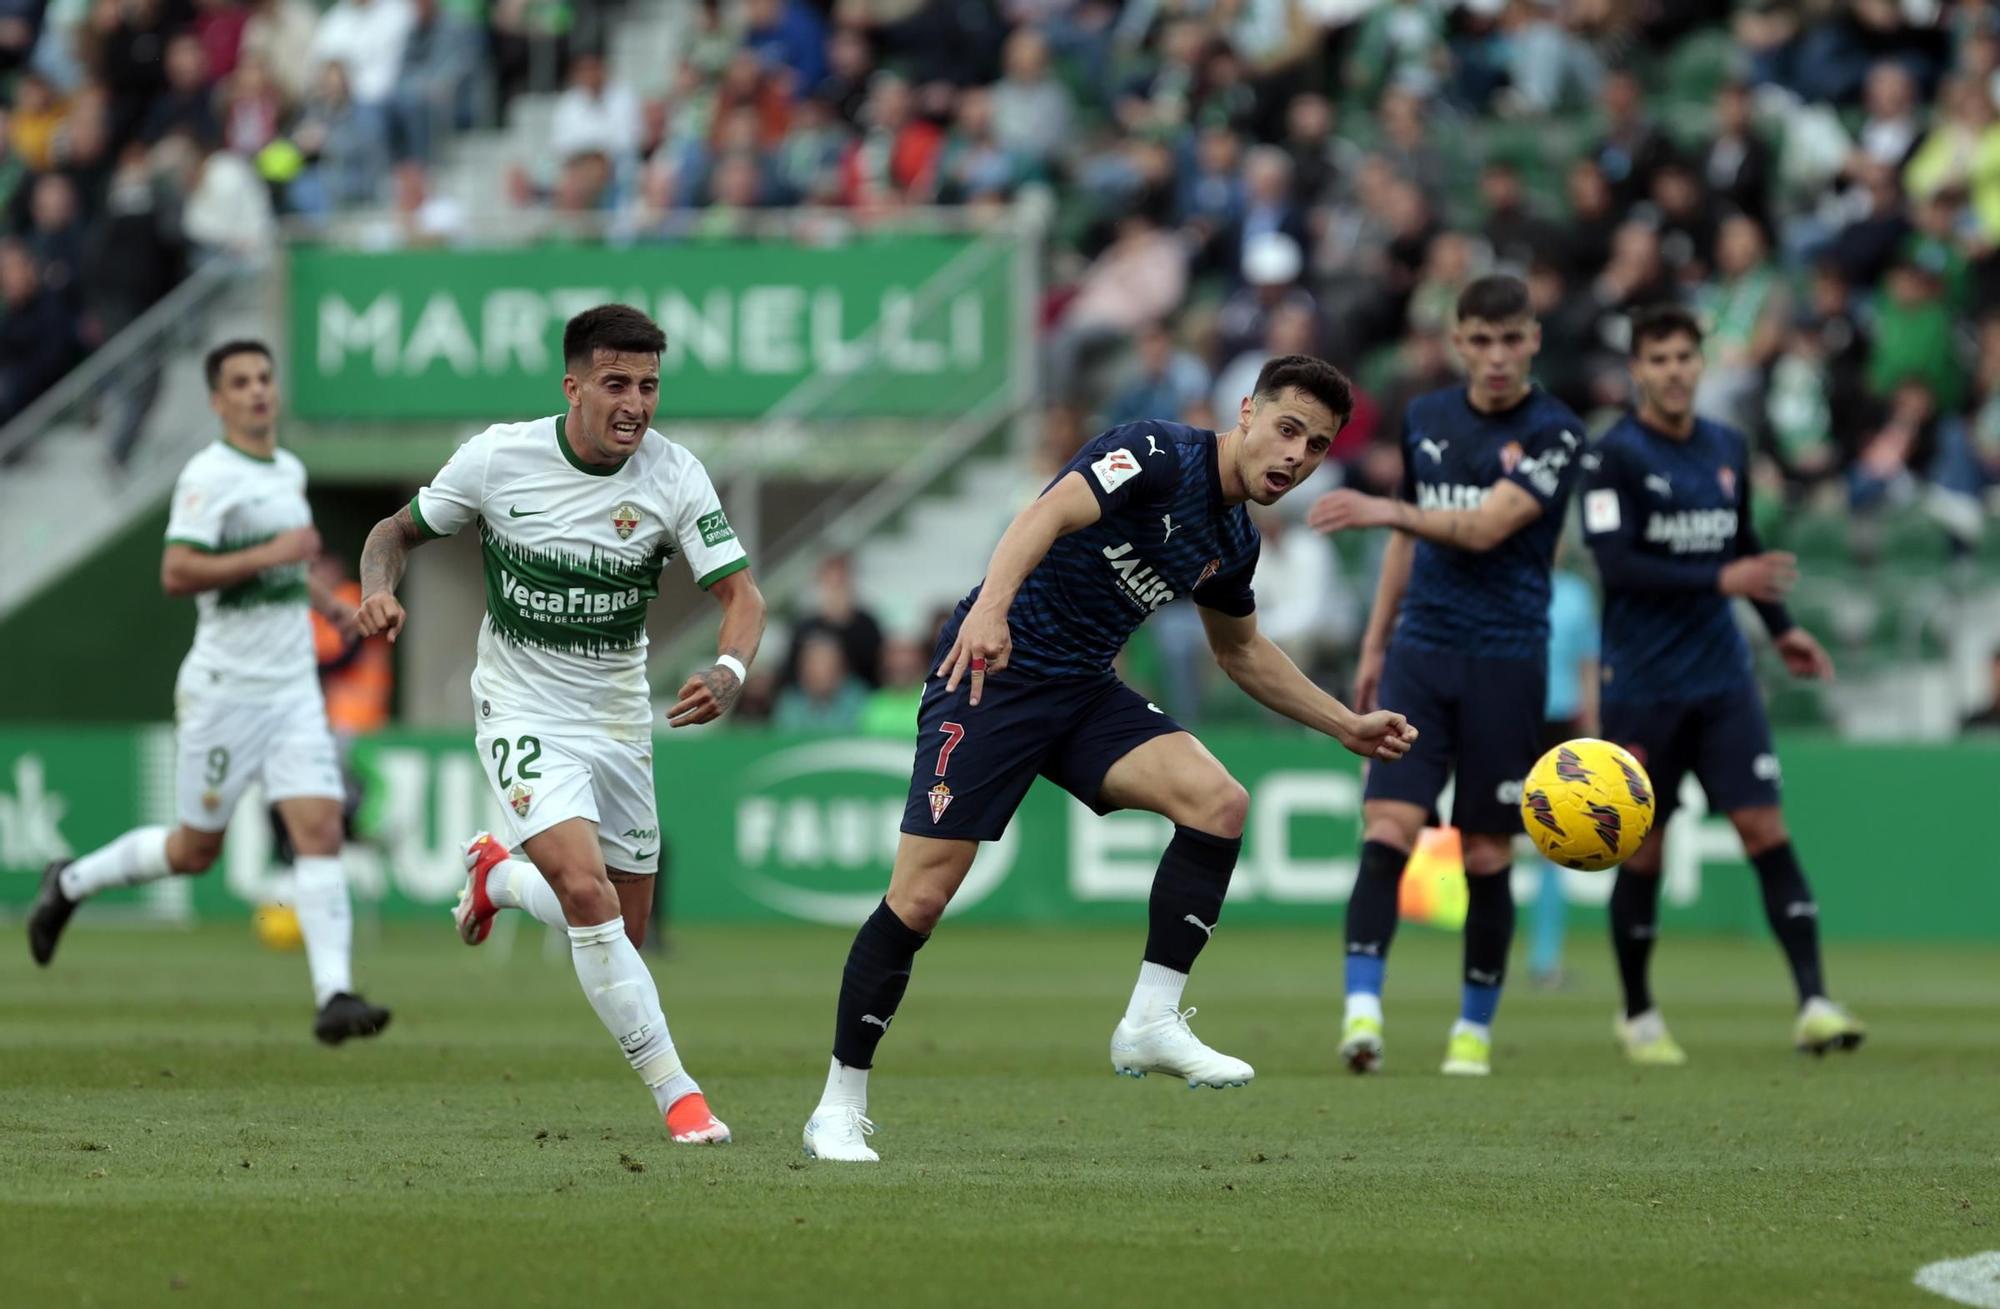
pixel 387 552
pixel 723 684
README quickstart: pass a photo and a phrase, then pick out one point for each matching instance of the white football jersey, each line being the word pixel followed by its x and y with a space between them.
pixel 573 555
pixel 254 637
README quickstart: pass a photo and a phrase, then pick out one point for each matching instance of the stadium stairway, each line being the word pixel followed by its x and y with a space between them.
pixel 932 555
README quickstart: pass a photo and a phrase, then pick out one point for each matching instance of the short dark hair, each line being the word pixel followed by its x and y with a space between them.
pixel 1316 377
pixel 619 328
pixel 211 366
pixel 1494 299
pixel 1658 322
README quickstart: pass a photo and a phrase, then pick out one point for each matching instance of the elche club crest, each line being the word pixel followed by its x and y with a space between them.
pixel 940 801
pixel 520 798
pixel 625 520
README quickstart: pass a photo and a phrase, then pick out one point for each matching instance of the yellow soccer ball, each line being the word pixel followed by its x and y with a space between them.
pixel 1587 804
pixel 277 926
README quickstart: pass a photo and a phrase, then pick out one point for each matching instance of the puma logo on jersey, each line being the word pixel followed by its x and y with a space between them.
pixel 1143 587
pixel 1659 486
pixel 1167 521
pixel 1151 447
pixel 1435 449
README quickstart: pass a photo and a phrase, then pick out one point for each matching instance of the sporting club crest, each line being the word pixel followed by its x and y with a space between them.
pixel 1726 478
pixel 1208 570
pixel 1510 456
pixel 624 520
pixel 520 798
pixel 940 801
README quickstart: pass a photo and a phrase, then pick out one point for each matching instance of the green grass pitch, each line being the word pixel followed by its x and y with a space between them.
pixel 169 1133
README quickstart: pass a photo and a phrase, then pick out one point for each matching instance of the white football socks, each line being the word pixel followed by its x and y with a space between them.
pixel 326 920
pixel 1158 991
pixel 138 856
pixel 621 990
pixel 1364 1004
pixel 518 884
pixel 845 1088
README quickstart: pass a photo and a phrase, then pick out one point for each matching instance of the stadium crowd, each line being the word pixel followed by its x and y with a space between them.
pixel 140 137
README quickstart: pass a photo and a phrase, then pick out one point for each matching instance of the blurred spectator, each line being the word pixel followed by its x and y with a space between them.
pixel 1817 396
pixel 850 65
pixel 974 166
pixel 367 38
pixel 1401 43
pixel 1961 153
pixel 1291 329
pixel 1915 337
pixel 253 108
pixel 891 709
pixel 1548 67
pixel 1140 277
pixel 130 42
pixel 1885 466
pixel 279 34
pixel 1889 132
pixel 1683 220
pixel 894 162
pixel 1747 310
pixel 416 219
pixel 228 211
pixel 37 334
pixel 342 145
pixel 806 167
pixel 1410 148
pixel 1633 145
pixel 434 90
pixel 593 116
pixel 1032 111
pixel 1271 269
pixel 1593 220
pixel 790 33
pixel 1315 151
pixel 1165 380
pixel 188 102
pixel 826 697
pixel 1518 236
pixel 837 615
pixel 37 117
pixel 355 672
pixel 1162 100
pixel 1737 165
pixel 1269 206
pixel 218 25
pixel 56 238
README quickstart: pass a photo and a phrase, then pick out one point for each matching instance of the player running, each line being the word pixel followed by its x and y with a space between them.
pixel 1665 510
pixel 1023 687
pixel 247 702
pixel 577 516
pixel 1459 641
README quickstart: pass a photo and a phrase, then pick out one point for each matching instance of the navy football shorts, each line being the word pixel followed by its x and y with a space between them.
pixel 1723 739
pixel 1478 719
pixel 975 763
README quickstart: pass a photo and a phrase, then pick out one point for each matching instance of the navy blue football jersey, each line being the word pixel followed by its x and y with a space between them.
pixel 1493 602
pixel 1663 516
pixel 1165 533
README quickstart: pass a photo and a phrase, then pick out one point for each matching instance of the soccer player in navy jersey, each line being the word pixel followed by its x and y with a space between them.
pixel 1458 641
pixel 1666 512
pixel 1023 688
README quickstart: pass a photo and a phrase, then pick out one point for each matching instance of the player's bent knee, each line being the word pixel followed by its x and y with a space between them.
pixel 1486 855
pixel 191 852
pixel 919 907
pixel 1227 809
pixel 1394 830
pixel 586 895
pixel 1761 828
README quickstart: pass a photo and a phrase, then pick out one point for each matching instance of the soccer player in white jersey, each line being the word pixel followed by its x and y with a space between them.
pixel 577 516
pixel 247 703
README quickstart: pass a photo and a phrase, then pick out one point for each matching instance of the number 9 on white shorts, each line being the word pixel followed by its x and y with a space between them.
pixel 543 780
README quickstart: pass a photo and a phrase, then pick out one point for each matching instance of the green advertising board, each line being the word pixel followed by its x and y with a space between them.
pixel 762 827
pixel 884 324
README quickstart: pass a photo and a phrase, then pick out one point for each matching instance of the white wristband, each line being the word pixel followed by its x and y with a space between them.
pixel 734 665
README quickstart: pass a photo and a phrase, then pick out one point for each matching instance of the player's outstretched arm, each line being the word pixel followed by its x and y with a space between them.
pixel 1507 508
pixel 384 556
pixel 1268 676
pixel 713 691
pixel 983 642
pixel 188 570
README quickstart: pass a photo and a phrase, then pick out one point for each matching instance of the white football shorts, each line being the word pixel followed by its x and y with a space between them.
pixel 543 780
pixel 222 744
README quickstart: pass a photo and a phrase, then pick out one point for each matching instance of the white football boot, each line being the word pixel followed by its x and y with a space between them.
pixel 839 1134
pixel 1167 1045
